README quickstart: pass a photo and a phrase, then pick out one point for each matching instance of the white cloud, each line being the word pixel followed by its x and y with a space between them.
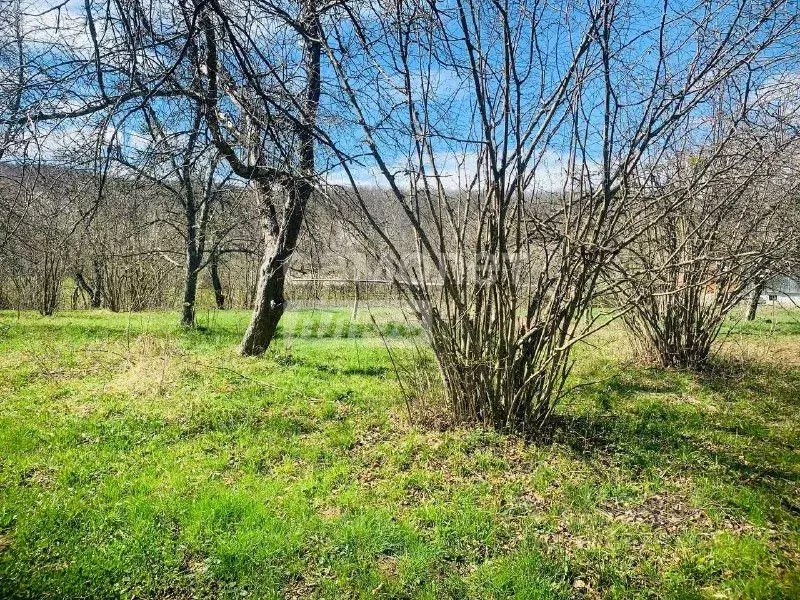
pixel 64 26
pixel 456 171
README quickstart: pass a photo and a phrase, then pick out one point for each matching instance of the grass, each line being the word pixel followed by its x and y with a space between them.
pixel 138 460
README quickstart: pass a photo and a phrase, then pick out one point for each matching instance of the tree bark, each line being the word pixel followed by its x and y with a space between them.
pixel 216 282
pixel 267 309
pixel 84 287
pixel 51 286
pixel 753 308
pixel 270 301
pixel 95 297
pixel 190 288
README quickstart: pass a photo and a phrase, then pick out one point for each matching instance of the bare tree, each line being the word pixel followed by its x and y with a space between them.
pixel 271 140
pixel 179 161
pixel 729 225
pixel 755 298
pixel 44 207
pixel 13 70
pixel 100 67
pixel 507 137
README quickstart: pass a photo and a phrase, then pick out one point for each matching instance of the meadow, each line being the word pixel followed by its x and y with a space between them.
pixel 140 460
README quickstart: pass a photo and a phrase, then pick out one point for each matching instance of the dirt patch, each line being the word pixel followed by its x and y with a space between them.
pixel 298 589
pixel 196 565
pixel 84 410
pixel 669 514
pixel 330 512
pixel 661 512
pixel 389 566
pixel 37 477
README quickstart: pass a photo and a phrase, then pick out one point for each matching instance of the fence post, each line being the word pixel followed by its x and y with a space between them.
pixel 355 303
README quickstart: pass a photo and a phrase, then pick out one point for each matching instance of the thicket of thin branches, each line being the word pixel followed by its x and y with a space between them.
pixel 509 164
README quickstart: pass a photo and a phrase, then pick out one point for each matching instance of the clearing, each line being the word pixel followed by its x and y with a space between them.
pixel 138 460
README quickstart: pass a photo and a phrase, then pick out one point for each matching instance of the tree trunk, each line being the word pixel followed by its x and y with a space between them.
pixel 51 286
pixel 216 282
pixel 190 289
pixel 270 301
pixel 93 293
pixel 268 307
pixel 753 309
pixel 354 313
pixel 97 295
pixel 194 252
pixel 82 286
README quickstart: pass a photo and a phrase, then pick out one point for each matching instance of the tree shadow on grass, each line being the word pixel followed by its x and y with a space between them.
pixel 733 378
pixel 742 431
pixel 366 370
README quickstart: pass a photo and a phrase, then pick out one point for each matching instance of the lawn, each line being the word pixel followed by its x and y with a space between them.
pixel 138 460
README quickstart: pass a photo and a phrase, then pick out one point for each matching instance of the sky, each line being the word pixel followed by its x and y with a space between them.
pixel 59 39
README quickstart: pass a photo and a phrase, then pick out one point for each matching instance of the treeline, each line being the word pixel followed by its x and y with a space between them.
pixel 69 240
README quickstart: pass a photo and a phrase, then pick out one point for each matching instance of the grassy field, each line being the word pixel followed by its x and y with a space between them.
pixel 138 460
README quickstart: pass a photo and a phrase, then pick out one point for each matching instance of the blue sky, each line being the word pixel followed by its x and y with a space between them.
pixel 559 27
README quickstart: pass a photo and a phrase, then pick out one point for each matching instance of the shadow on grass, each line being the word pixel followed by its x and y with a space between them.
pixel 644 381
pixel 732 378
pixel 735 422
pixel 366 370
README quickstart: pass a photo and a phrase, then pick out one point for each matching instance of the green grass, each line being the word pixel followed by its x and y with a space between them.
pixel 138 460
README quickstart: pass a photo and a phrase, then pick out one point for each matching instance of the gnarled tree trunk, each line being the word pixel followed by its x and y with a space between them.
pixel 752 310
pixel 270 301
pixel 94 293
pixel 294 179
